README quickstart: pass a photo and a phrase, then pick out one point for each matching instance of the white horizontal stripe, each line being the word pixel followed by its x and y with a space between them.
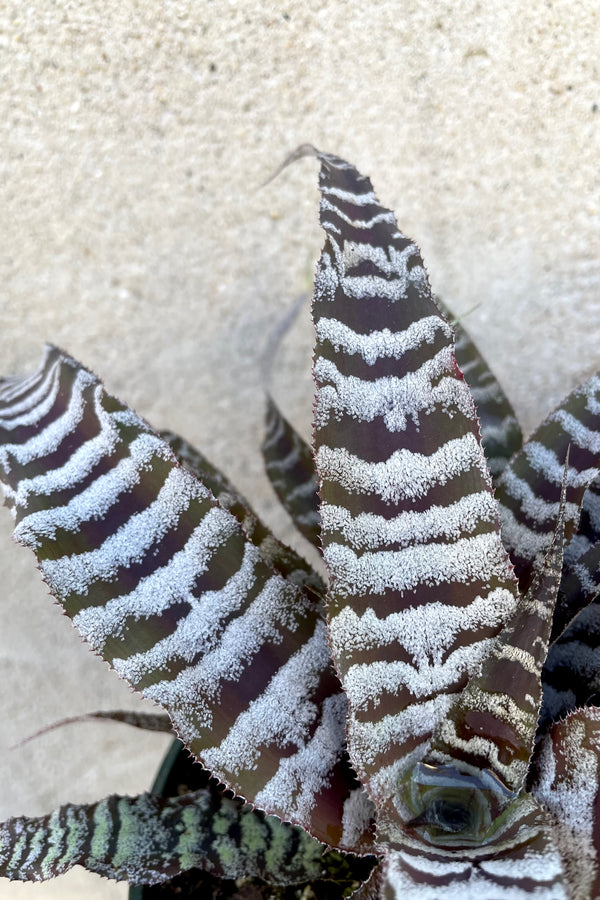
pixel 80 463
pixel 369 740
pixel 534 507
pixel 47 440
pixel 370 531
pixel 388 260
pixel 95 500
pixel 544 460
pixel 365 683
pixel 384 216
pixel 199 629
pixel 302 776
pixel 365 199
pixel 163 587
pixel 394 399
pixel 194 692
pixel 405 474
pixel 42 387
pixel 588 438
pixel 529 544
pixel 479 557
pixel 425 632
pixel 132 540
pixel 380 344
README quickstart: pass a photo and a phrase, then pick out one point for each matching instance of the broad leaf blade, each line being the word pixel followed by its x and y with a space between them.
pixel 420 581
pixel 290 467
pixel 148 840
pixel 163 583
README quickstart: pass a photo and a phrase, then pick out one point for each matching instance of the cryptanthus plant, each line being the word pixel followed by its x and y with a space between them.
pixel 420 727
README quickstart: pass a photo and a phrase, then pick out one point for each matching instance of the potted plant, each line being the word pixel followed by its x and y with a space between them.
pixel 424 720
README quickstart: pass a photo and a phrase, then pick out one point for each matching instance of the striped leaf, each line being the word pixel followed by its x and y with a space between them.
pixel 281 557
pixel 162 582
pixel 290 467
pixel 571 673
pixel 493 724
pixel 149 840
pixel 567 783
pixel 420 584
pixel 500 432
pixel 528 491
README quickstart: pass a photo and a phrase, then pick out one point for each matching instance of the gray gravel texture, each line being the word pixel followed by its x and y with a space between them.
pixel 136 235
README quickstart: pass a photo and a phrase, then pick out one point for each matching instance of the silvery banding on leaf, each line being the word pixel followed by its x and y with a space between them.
pixel 407 720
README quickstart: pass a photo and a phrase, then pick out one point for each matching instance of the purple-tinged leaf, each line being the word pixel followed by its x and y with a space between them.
pixel 579 586
pixel 281 557
pixel 149 840
pixel 500 432
pixel 567 785
pixel 420 582
pixel 162 582
pixel 529 488
pixel 290 466
pixel 493 724
pixel 571 676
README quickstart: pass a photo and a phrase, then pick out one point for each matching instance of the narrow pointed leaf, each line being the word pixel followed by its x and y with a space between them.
pixel 493 723
pixel 145 721
pixel 567 784
pixel 420 582
pixel 529 488
pixel 500 431
pixel 290 466
pixel 162 582
pixel 149 840
pixel 281 557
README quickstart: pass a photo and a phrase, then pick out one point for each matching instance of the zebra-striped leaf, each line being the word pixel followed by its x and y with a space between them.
pixel 149 840
pixel 162 582
pixel 281 557
pixel 493 724
pixel 290 467
pixel 571 673
pixel 420 584
pixel 567 783
pixel 500 432
pixel 528 490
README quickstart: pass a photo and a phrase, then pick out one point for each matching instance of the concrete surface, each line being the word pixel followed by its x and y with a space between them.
pixel 136 235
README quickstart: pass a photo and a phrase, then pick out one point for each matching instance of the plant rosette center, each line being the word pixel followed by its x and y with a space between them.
pixel 451 808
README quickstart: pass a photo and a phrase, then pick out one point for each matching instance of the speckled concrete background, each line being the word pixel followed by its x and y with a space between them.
pixel 135 234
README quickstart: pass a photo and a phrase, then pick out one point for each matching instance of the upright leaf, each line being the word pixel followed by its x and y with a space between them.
pixel 500 432
pixel 420 582
pixel 567 784
pixel 528 490
pixel 290 466
pixel 162 582
pixel 494 721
